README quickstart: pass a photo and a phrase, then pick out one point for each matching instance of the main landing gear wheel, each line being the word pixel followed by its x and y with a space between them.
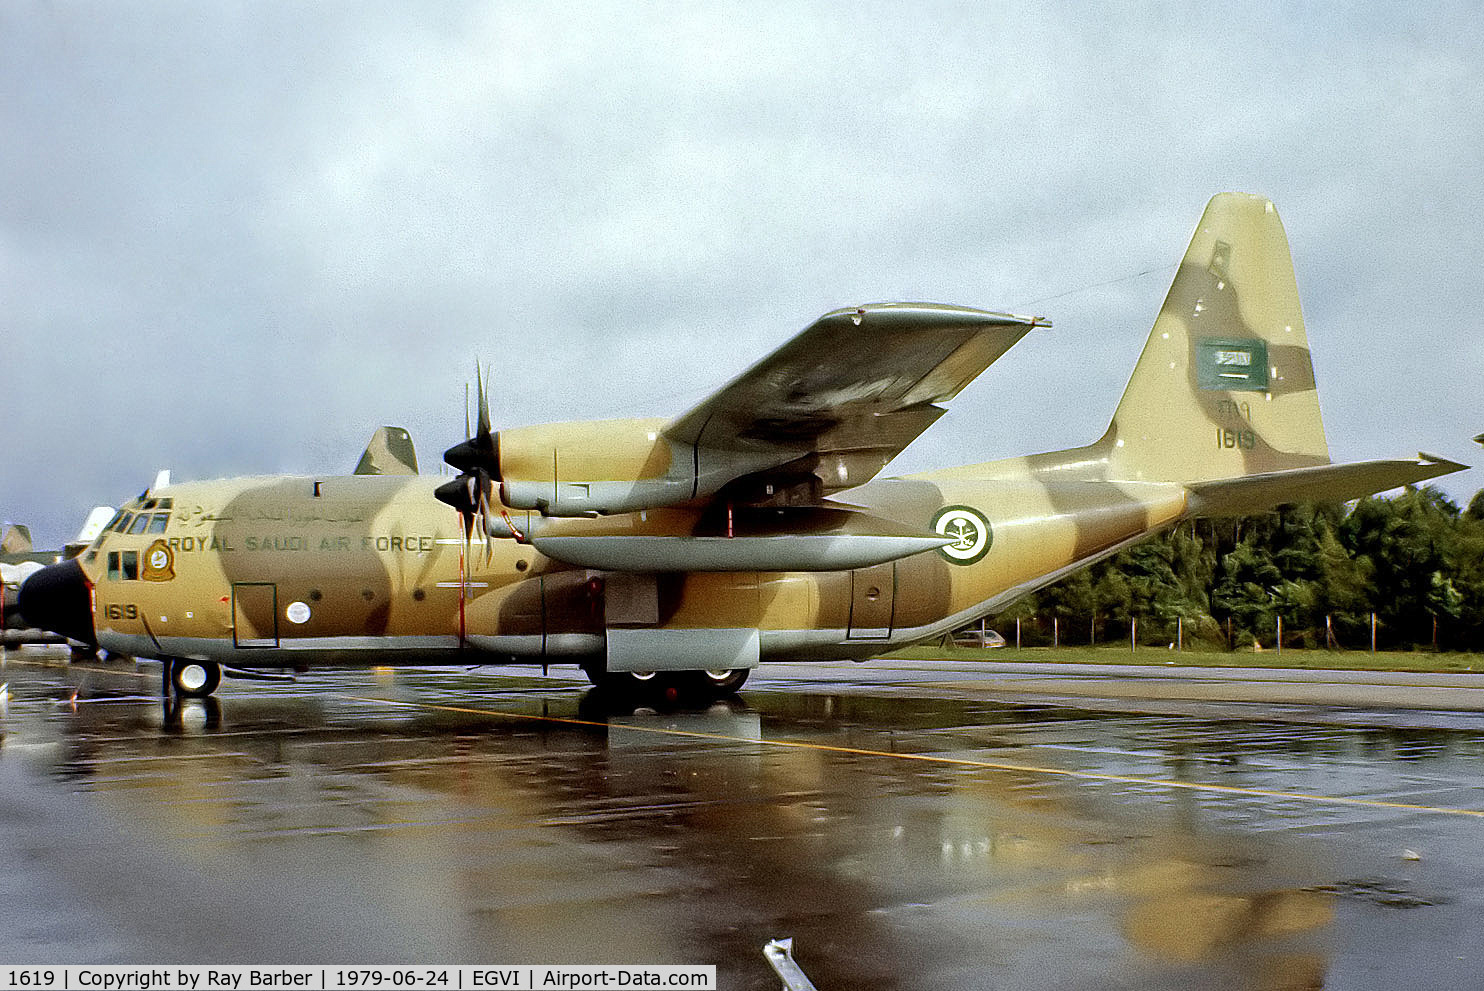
pixel 624 682
pixel 673 687
pixel 723 682
pixel 195 679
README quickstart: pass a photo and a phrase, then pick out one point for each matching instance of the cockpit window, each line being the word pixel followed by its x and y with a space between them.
pixel 118 516
pixel 141 523
pixel 158 522
pixel 123 565
pixel 122 521
pixel 166 504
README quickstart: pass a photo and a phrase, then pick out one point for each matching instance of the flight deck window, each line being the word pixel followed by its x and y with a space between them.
pixel 117 517
pixel 113 566
pixel 158 522
pixel 141 522
pixel 123 523
pixel 130 562
pixel 167 504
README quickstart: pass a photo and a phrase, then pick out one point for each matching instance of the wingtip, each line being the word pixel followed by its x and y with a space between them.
pixel 1447 465
pixel 918 314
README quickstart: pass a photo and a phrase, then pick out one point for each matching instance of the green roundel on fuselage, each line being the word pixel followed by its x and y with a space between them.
pixel 971 533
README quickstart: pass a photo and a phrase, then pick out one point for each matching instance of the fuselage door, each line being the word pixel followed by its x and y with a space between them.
pixel 255 614
pixel 872 591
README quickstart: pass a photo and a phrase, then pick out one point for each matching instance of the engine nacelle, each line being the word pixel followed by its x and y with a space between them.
pixel 593 466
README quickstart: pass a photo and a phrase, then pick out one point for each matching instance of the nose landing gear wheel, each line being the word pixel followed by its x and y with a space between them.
pixel 195 679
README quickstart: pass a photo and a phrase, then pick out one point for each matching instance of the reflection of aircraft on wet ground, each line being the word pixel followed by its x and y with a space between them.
pixel 519 822
pixel 19 560
pixel 680 553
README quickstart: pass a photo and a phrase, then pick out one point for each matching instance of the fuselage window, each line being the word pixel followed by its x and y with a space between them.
pixel 113 566
pixel 141 523
pixel 158 522
pixel 130 562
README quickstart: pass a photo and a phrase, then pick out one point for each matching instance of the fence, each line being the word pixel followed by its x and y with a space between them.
pixel 1035 630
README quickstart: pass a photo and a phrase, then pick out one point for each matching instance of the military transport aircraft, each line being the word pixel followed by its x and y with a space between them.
pixel 680 553
pixel 19 560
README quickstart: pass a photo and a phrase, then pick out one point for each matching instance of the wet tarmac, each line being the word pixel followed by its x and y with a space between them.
pixel 910 826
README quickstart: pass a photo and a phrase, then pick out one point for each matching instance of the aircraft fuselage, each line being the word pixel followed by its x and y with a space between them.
pixel 372 569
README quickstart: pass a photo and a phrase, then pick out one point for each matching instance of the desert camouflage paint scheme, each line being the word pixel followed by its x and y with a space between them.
pixel 751 527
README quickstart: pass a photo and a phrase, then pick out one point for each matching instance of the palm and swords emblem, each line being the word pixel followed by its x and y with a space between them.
pixel 969 531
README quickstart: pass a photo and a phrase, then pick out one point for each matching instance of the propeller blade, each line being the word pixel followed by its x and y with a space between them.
pixel 484 519
pixel 484 405
pixel 478 451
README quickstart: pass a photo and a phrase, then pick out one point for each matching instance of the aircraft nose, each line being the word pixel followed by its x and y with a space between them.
pixel 57 598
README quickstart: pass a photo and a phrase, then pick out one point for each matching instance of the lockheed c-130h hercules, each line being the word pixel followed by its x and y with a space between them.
pixel 682 552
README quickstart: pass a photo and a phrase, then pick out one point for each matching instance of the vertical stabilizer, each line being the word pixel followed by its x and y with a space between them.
pixel 1224 387
pixel 17 540
pixel 389 453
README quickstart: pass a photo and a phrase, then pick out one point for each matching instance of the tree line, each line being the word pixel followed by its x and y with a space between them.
pixel 1414 562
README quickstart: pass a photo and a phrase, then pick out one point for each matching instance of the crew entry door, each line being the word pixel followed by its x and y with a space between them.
pixel 255 614
pixel 872 593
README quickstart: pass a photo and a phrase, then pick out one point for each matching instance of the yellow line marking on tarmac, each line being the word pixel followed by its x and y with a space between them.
pixel 937 759
pixel 926 758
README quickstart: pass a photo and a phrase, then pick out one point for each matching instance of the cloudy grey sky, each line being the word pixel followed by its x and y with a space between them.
pixel 235 238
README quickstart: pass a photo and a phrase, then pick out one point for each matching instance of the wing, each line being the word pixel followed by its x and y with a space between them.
pixel 841 399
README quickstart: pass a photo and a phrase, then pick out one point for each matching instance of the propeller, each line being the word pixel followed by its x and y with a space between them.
pixel 478 462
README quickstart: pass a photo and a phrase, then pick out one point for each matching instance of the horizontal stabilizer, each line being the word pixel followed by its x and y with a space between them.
pixel 1318 483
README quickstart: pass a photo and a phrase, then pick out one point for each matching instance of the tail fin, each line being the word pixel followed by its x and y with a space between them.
pixel 1224 388
pixel 17 540
pixel 99 518
pixel 390 452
